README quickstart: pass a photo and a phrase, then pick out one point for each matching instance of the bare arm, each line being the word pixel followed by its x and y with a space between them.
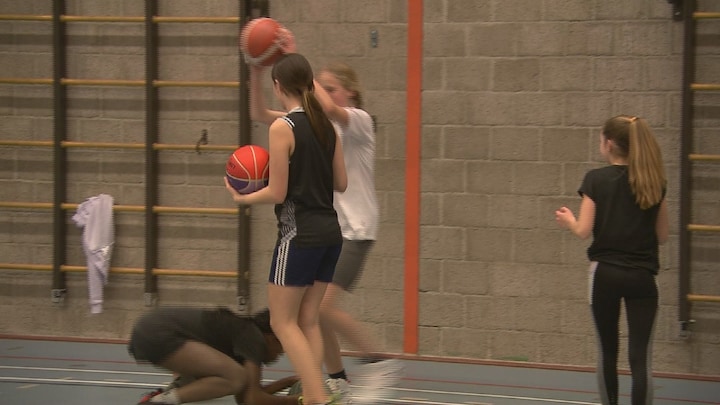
pixel 282 143
pixel 258 107
pixel 281 384
pixel 332 110
pixel 582 226
pixel 662 229
pixel 340 180
pixel 255 394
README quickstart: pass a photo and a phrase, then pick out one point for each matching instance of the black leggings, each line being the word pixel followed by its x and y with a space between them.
pixel 610 285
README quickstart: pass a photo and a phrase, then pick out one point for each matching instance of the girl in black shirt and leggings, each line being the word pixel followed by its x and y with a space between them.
pixel 623 206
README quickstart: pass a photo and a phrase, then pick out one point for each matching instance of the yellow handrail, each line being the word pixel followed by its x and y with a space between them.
pixel 120 270
pixel 117 82
pixel 120 19
pixel 119 145
pixel 701 157
pixel 23 80
pixel 126 208
pixel 101 18
pixel 25 17
pixel 187 83
pixel 705 87
pixel 699 15
pixel 703 298
pixel 703 228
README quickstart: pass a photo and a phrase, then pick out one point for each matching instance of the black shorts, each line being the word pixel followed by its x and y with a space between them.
pixel 158 334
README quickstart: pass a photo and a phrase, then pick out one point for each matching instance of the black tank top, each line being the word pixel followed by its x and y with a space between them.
pixel 307 215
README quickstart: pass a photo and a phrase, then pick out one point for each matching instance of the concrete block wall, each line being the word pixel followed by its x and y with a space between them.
pixel 514 95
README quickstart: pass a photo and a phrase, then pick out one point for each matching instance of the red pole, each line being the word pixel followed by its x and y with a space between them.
pixel 412 173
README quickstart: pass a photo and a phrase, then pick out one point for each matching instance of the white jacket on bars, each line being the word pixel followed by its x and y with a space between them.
pixel 95 215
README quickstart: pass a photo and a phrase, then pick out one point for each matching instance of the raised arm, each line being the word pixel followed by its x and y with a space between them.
pixel 259 110
pixel 340 180
pixel 332 110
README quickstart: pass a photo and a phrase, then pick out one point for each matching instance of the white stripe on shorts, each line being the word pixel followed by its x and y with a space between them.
pixel 281 262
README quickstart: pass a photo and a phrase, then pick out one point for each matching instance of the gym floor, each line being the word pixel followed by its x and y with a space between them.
pixel 36 371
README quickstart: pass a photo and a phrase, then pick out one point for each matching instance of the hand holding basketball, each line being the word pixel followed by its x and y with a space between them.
pixel 247 170
pixel 263 40
pixel 287 41
pixel 237 197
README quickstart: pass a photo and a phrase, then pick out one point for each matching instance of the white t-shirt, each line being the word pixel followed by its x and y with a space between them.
pixel 357 207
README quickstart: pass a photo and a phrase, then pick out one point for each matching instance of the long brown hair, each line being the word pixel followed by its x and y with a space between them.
pixel 635 141
pixel 294 74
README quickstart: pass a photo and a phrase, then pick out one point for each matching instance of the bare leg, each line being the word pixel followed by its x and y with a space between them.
pixel 335 321
pixel 309 320
pixel 217 374
pixel 289 307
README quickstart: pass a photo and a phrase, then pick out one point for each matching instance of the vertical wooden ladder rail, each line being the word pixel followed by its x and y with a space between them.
pixel 690 15
pixel 151 155
pixel 248 9
pixel 59 156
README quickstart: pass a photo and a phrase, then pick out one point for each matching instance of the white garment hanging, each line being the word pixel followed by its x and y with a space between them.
pixel 95 215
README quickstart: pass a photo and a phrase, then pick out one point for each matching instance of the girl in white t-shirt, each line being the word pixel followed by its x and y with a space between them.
pixel 338 90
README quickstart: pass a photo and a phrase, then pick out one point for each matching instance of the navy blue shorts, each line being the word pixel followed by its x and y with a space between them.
pixel 303 266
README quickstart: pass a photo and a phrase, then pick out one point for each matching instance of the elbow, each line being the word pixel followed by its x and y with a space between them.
pixel 277 196
pixel 340 186
pixel 255 115
pixel 583 235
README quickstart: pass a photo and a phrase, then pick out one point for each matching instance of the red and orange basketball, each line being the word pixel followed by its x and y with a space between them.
pixel 248 169
pixel 261 40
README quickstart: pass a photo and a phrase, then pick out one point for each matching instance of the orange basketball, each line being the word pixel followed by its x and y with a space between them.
pixel 248 169
pixel 260 41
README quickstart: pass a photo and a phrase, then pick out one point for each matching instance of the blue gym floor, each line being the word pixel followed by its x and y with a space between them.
pixel 41 372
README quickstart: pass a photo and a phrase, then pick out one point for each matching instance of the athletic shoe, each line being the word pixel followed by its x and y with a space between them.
pixel 381 374
pixel 339 387
pixel 179 381
pixel 335 399
pixel 145 399
pixel 373 381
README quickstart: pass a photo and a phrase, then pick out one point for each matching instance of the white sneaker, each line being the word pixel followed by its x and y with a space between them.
pixel 373 381
pixel 341 388
pixel 381 374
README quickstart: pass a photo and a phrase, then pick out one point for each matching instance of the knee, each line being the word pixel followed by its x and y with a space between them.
pixel 237 379
pixel 306 321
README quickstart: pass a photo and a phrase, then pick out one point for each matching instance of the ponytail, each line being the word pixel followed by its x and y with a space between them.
pixel 645 166
pixel 318 119
pixel 294 74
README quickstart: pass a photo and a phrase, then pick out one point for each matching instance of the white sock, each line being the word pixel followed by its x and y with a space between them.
pixel 168 397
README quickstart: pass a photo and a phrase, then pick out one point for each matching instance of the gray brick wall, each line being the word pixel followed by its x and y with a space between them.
pixel 514 94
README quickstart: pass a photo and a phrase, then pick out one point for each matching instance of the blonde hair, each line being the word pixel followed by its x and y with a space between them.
pixel 635 141
pixel 348 79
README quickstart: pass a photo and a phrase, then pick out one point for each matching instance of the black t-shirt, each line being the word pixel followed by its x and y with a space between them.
pixel 236 336
pixel 623 233
pixel 307 215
